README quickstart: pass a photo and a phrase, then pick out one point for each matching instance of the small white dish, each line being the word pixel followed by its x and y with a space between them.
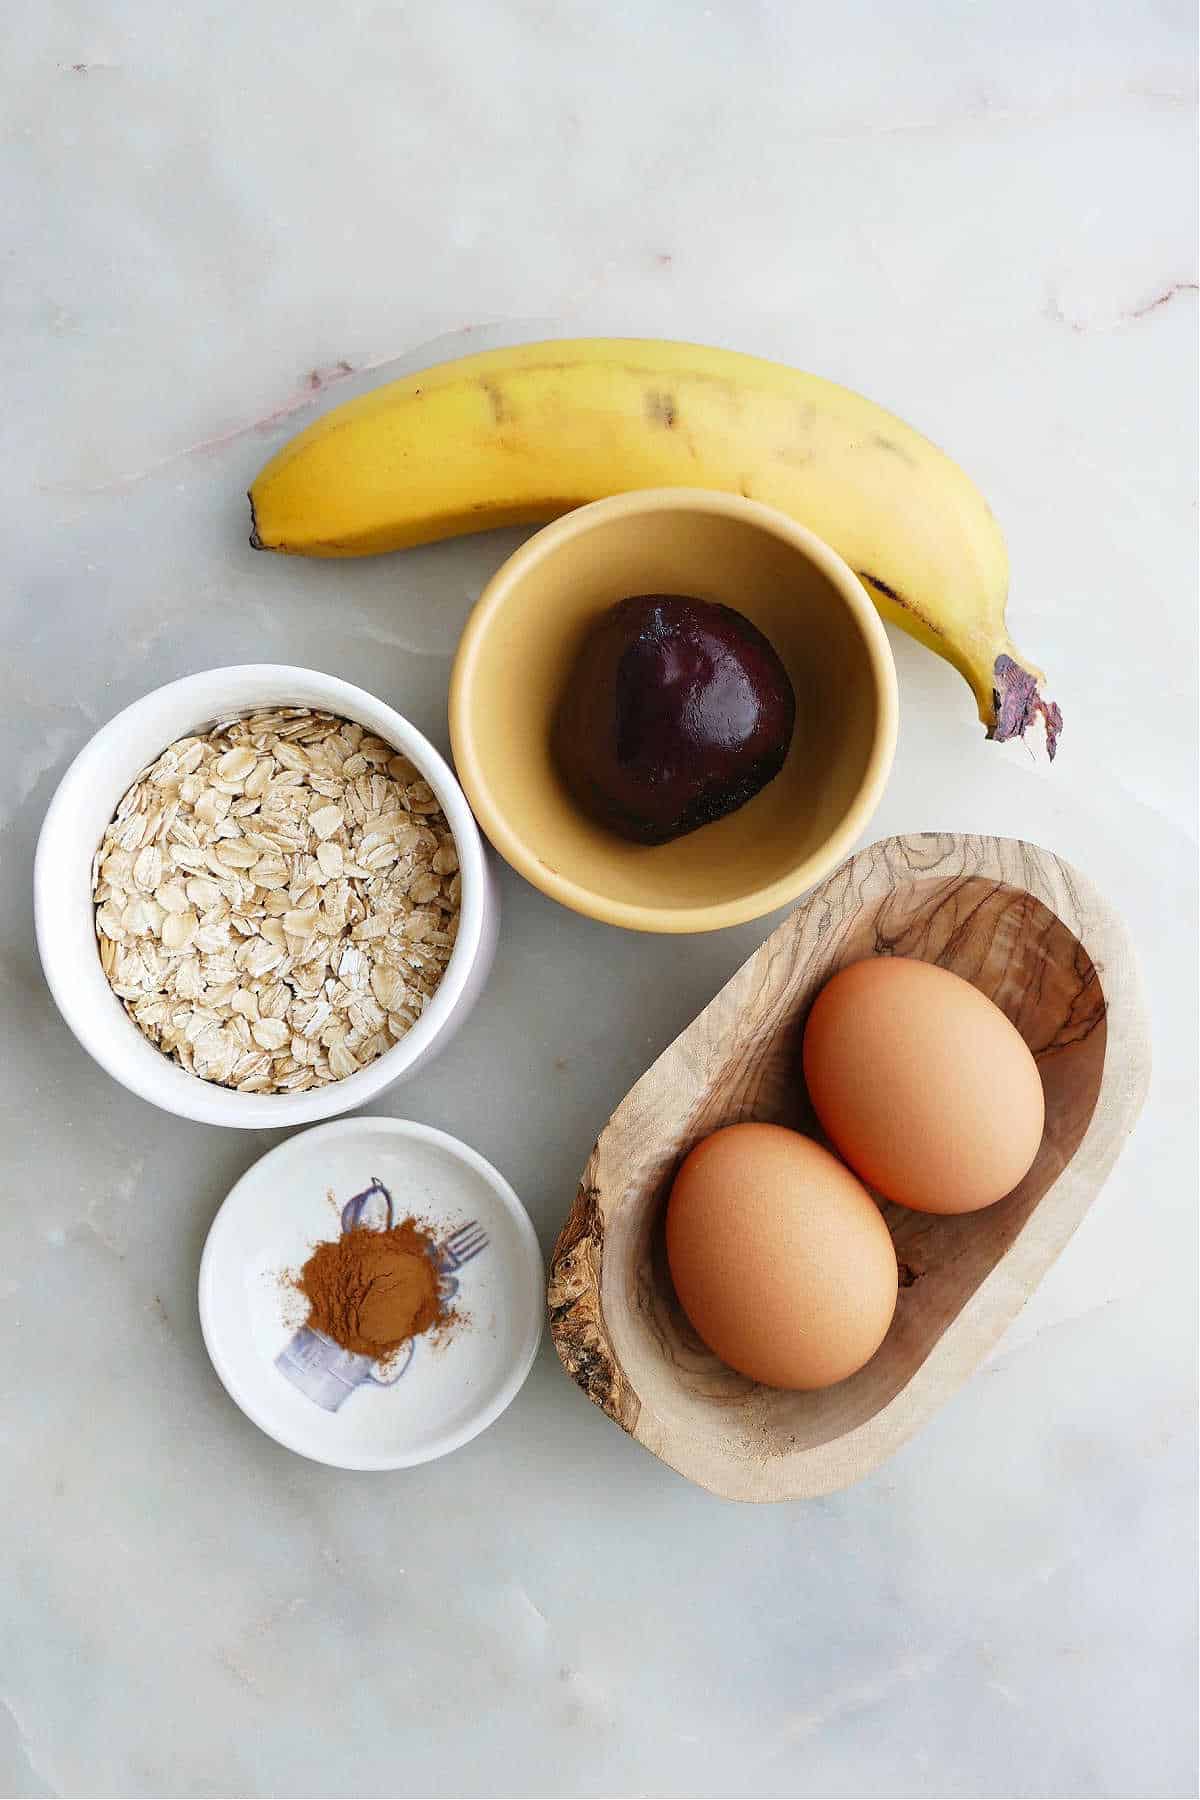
pixel 86 800
pixel 326 1403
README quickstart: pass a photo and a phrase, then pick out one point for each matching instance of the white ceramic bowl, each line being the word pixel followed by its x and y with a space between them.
pixel 327 1403
pixel 86 800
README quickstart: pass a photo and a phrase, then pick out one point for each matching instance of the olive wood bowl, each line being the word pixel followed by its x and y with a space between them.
pixel 1027 930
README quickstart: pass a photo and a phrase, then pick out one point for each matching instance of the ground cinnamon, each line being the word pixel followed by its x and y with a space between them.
pixel 370 1291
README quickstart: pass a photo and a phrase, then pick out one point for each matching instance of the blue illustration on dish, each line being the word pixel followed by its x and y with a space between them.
pixel 325 1373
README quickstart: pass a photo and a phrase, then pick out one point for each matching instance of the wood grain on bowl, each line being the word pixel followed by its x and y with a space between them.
pixel 1027 930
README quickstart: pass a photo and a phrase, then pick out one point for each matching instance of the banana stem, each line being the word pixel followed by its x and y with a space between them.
pixel 1017 702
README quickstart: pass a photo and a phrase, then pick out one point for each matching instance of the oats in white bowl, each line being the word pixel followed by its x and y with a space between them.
pixel 276 900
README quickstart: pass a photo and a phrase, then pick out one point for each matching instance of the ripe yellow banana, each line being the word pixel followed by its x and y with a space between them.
pixel 518 436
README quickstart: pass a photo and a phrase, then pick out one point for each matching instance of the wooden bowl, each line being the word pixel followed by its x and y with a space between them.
pixel 1030 932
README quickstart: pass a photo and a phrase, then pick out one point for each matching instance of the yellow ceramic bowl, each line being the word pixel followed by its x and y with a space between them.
pixel 525 633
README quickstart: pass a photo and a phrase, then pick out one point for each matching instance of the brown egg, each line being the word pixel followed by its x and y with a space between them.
pixel 923 1085
pixel 780 1258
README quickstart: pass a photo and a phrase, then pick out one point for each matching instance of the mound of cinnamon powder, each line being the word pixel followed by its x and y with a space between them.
pixel 370 1291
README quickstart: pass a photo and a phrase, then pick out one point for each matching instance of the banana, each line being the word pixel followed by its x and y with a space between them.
pixel 518 436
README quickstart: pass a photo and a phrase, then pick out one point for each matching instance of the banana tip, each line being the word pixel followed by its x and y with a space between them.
pixel 1017 702
pixel 256 542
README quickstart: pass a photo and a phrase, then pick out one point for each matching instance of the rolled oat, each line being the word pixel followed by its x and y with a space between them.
pixel 277 900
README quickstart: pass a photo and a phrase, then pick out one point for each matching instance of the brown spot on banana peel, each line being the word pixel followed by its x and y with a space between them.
pixel 501 412
pixel 893 449
pixel 661 408
pixel 889 593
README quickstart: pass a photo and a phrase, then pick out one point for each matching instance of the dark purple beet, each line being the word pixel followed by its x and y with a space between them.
pixel 677 712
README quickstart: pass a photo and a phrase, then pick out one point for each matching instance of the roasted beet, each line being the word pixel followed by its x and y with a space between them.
pixel 677 712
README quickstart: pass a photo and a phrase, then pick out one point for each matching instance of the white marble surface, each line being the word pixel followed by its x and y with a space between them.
pixel 983 218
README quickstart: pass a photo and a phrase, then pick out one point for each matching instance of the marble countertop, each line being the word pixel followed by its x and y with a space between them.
pixel 214 214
